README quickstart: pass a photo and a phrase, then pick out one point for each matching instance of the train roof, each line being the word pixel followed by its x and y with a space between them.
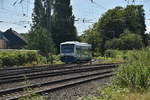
pixel 77 43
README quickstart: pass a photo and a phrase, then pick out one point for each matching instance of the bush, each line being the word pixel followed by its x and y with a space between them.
pixel 125 42
pixel 130 41
pixel 136 73
pixel 113 53
pixel 20 57
pixel 133 76
pixel 113 44
pixel 54 59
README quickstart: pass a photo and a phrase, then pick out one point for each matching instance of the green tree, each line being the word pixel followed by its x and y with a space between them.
pixel 114 23
pixel 63 22
pixel 135 20
pixel 40 36
pixel 38 15
pixel 125 42
pixel 92 37
pixel 39 40
pixel 109 26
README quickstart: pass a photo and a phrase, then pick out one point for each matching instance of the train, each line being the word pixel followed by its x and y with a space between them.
pixel 74 51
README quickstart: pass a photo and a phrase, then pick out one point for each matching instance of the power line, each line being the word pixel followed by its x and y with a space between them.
pixel 15 23
pixel 15 3
pixel 98 5
pixel 8 12
pixel 25 10
pixel 84 20
pixel 21 1
pixel 24 24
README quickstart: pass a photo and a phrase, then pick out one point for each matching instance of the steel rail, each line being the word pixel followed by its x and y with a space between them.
pixel 46 68
pixel 19 78
pixel 26 67
pixel 51 85
pixel 30 69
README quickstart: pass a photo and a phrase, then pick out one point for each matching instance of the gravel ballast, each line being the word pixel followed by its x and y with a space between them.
pixel 41 80
pixel 79 91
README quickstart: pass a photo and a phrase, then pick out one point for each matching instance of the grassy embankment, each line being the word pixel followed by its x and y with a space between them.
pixel 131 81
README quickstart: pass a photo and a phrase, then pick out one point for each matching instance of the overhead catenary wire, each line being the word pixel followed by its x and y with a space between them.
pixel 8 12
pixel 100 6
pixel 23 24
pixel 85 20
pixel 23 3
pixel 137 1
pixel 29 2
pixel 14 23
pixel 14 13
pixel 97 4
pixel 17 1
pixel 17 22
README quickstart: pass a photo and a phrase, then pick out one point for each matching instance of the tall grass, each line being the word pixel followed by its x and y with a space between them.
pixel 136 73
pixel 117 93
pixel 132 79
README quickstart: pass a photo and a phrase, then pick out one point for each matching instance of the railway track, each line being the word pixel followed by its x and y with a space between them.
pixel 27 70
pixel 24 70
pixel 74 75
pixel 8 68
pixel 56 72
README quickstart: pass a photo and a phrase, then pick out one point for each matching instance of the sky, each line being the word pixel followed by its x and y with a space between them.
pixel 19 16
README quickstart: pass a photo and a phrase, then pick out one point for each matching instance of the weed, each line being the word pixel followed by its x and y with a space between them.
pixel 31 95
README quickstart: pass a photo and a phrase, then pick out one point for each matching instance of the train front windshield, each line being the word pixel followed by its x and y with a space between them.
pixel 67 48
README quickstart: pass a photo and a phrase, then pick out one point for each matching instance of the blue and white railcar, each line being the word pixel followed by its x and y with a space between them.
pixel 73 51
